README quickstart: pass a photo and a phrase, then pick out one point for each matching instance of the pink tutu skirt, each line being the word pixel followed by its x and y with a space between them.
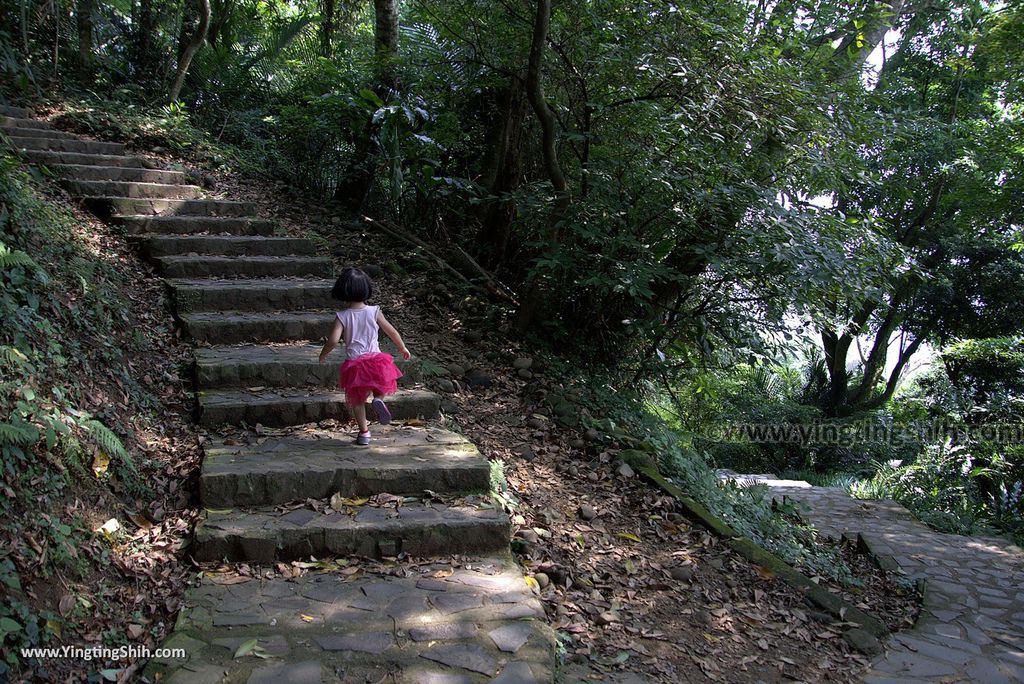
pixel 369 374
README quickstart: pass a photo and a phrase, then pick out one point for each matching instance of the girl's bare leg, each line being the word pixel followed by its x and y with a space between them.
pixel 360 413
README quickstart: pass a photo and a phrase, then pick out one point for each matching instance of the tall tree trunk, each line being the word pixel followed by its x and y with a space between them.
pixel 502 171
pixel 535 94
pixel 191 50
pixel 220 14
pixel 83 17
pixel 143 40
pixel 326 27
pixel 386 42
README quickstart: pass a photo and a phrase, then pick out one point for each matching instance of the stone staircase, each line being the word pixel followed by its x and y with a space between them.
pixel 455 608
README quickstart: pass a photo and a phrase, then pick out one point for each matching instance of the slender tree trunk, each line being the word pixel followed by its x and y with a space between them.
pixel 535 94
pixel 220 13
pixel 386 42
pixel 191 50
pixel 83 17
pixel 502 172
pixel 143 40
pixel 326 27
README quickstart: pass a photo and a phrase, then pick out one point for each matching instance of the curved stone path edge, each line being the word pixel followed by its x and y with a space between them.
pixel 863 630
pixel 971 627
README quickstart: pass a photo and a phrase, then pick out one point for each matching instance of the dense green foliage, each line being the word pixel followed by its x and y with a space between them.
pixel 57 308
pixel 968 473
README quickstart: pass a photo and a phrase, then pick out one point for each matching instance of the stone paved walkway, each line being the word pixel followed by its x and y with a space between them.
pixel 437 625
pixel 971 627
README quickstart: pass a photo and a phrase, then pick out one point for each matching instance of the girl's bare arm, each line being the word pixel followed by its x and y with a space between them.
pixel 390 331
pixel 332 339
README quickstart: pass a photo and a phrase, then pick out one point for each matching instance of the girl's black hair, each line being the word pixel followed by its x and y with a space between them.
pixel 352 286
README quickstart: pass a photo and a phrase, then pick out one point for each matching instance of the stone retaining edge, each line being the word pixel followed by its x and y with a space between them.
pixel 837 607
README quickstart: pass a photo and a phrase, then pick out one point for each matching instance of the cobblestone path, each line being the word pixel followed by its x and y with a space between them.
pixel 971 628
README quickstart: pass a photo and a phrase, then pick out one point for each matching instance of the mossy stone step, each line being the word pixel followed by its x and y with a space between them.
pixel 20 142
pixel 318 464
pixel 226 245
pixel 260 294
pixel 418 529
pixel 17 112
pixel 99 172
pixel 295 365
pixel 270 366
pixel 237 327
pixel 50 157
pixel 284 406
pixel 218 266
pixel 108 188
pixel 205 226
pixel 129 206
pixel 9 121
pixel 438 623
pixel 40 130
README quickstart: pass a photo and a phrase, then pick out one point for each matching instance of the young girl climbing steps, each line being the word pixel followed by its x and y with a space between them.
pixel 367 372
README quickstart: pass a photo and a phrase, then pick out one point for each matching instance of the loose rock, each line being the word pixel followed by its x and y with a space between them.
pixel 372 270
pixel 683 573
pixel 863 641
pixel 524 374
pixel 587 512
pixel 522 363
pixel 477 379
pixel 526 452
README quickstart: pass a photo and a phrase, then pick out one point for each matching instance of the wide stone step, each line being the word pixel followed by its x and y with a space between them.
pixel 269 366
pixel 237 327
pixel 39 131
pixel 17 112
pixel 283 406
pixel 108 188
pixel 279 366
pixel 20 142
pixel 216 266
pixel 49 158
pixel 127 206
pixel 194 225
pixel 399 460
pixel 424 530
pixel 263 294
pixel 23 122
pixel 227 245
pixel 101 172
pixel 437 623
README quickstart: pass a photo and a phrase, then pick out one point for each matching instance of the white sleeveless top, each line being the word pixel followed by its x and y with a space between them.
pixel 360 331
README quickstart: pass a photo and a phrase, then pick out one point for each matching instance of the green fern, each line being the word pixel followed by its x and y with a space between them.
pixel 13 258
pixel 18 435
pixel 109 442
pixel 11 357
